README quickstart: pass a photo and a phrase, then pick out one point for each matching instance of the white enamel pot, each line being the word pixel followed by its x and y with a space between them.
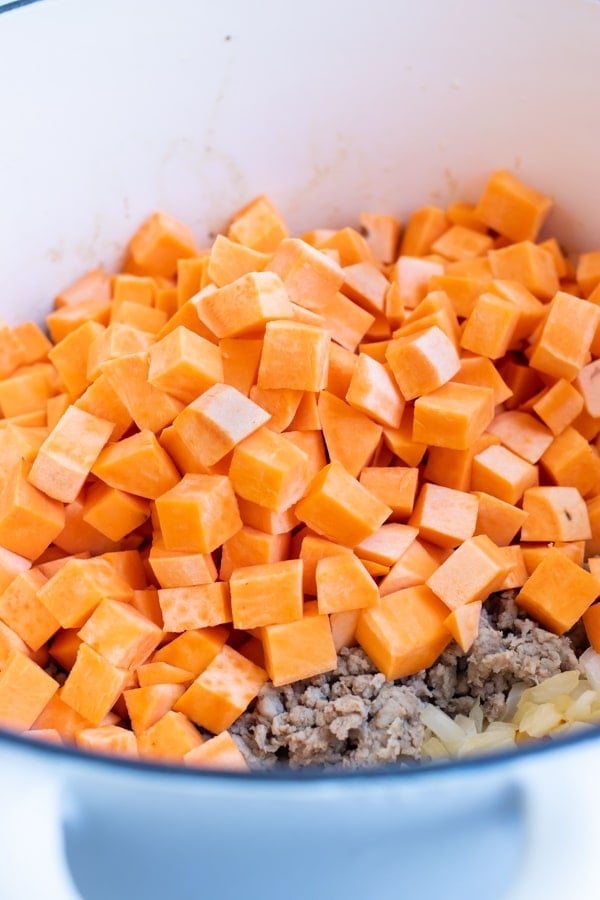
pixel 110 109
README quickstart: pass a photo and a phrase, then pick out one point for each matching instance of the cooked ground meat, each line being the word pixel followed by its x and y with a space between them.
pixel 353 717
pixel 509 648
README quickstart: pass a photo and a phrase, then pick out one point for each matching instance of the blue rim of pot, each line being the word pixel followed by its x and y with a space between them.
pixel 476 762
pixel 15 4
pixel 282 772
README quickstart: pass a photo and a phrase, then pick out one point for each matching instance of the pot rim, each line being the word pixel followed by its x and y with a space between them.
pixel 477 762
pixel 541 747
pixel 15 4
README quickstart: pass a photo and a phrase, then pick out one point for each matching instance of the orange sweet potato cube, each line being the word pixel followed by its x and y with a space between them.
pixel 184 364
pixel 558 592
pixel 216 421
pixel 32 339
pixel 479 370
pixel 70 357
pixel 93 685
pixel 146 705
pixel 169 739
pixel 150 407
pixel 453 416
pixel 69 318
pixel 159 243
pixel 195 606
pixel 374 391
pixel 412 275
pixel 297 650
pixel 193 650
pixel 338 507
pixel 137 315
pixel 422 362
pixel 11 565
pixel 500 472
pixel 490 327
pixel 219 752
pixel 313 547
pixel 266 594
pixel 244 306
pixel 77 588
pixel 387 545
pixel 162 673
pixel 59 716
pixel 511 207
pixel 178 568
pixel 138 465
pixel 113 512
pixel 395 485
pixel 64 647
pixel 112 739
pixel 351 437
pixel 9 642
pixel 29 519
pixel 555 513
pixel 522 433
pixel 252 547
pixel 499 520
pixel 310 278
pixel 221 693
pixel 463 624
pixel 294 355
pixel 229 260
pixel 529 264
pixel 405 632
pixel 475 570
pixel 26 391
pixel 25 689
pixel 110 343
pixel 101 400
pixel 121 634
pixel 566 336
pixel 268 469
pixel 22 610
pixel 343 583
pixel 258 225
pixel 66 457
pixel 444 516
pixel 198 514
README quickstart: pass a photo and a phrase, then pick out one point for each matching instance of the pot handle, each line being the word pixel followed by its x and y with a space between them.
pixel 33 862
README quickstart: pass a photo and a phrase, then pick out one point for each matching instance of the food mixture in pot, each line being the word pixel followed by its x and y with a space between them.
pixel 354 717
pixel 321 500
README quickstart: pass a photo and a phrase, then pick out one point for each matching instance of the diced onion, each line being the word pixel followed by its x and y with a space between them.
pixel 467 724
pixel 513 698
pixel 477 715
pixel 540 719
pixel 434 749
pixel 444 728
pixel 560 705
pixel 493 739
pixel 563 683
pixel 590 663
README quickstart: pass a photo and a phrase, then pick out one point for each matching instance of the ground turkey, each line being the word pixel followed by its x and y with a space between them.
pixel 353 717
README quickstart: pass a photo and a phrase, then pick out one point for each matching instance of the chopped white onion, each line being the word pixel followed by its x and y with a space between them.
pixel 562 683
pixel 564 703
pixel 512 700
pixel 540 719
pixel 477 715
pixel 590 663
pixel 467 724
pixel 444 728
